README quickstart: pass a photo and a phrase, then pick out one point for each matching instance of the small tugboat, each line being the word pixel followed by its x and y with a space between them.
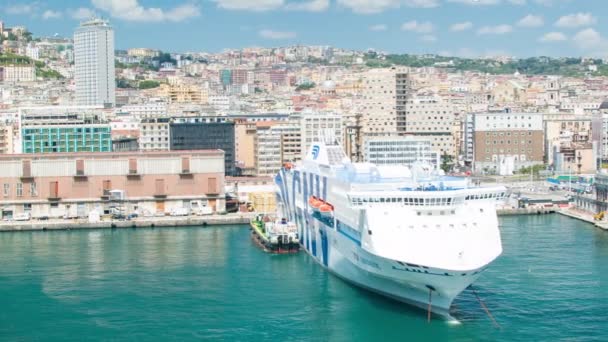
pixel 275 235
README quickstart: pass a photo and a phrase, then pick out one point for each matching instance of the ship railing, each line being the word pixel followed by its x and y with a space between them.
pixel 424 198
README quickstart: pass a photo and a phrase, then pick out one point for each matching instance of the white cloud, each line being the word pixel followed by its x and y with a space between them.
pixel 588 39
pixel 476 2
pixel 379 27
pixel 369 6
pixel 81 13
pixel 270 5
pixel 550 3
pixel 429 38
pixel 518 2
pixel 270 34
pixel 308 6
pixel 250 5
pixel 20 9
pixel 414 26
pixel 50 14
pixel 553 37
pixel 531 21
pixel 421 3
pixel 576 20
pixel 459 27
pixel 131 10
pixel 498 29
pixel 378 6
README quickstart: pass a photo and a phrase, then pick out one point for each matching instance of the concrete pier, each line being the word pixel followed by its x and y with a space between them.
pixel 584 216
pixel 141 222
pixel 525 211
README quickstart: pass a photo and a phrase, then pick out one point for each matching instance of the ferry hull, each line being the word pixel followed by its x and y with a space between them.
pixel 353 264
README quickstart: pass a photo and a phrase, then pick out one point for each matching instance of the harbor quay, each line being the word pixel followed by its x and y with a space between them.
pixel 140 222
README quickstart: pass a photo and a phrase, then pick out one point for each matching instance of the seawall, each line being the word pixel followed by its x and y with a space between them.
pixel 143 222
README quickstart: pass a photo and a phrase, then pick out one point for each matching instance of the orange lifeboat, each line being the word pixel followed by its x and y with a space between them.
pixel 314 202
pixel 326 209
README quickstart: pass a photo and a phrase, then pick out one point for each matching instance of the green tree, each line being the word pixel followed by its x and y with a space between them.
pixel 305 86
pixel 447 162
pixel 148 84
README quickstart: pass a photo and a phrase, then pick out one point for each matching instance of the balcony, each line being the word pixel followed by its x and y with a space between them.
pixel 133 174
pixel 80 176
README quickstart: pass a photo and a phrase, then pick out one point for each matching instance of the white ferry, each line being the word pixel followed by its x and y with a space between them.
pixel 409 234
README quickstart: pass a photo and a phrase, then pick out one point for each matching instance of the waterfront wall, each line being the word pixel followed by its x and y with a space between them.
pixel 146 222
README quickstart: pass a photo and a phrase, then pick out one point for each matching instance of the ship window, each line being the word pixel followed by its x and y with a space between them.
pixel 418 213
pixel 481 210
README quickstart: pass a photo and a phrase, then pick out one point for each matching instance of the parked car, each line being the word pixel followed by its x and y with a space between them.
pixel 22 217
pixel 180 212
pixel 132 216
pixel 118 216
pixel 43 218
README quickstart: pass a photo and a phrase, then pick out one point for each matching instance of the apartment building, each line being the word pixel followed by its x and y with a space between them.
pixel 563 129
pixel 434 119
pixel 143 52
pixel 17 73
pixel 378 102
pixel 182 93
pixel 276 144
pixel 154 134
pixel 74 184
pixel 318 126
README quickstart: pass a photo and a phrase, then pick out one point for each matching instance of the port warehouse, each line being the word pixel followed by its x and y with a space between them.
pixel 75 184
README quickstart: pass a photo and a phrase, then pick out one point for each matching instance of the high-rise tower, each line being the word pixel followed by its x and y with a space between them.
pixel 94 63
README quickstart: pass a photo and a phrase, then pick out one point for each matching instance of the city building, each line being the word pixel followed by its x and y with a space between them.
pixel 564 130
pixel 318 126
pixel 378 101
pixel 74 184
pixel 17 73
pixel 5 136
pixel 94 63
pixel 125 144
pixel 506 142
pixel 67 138
pixel 205 133
pixel 143 52
pixel 244 137
pixel 154 134
pixel 430 118
pixel 400 151
pixel 182 93
pixel 276 143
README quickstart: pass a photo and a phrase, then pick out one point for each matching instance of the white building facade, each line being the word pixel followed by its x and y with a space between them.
pixel 400 151
pixel 94 63
pixel 317 126
pixel 17 73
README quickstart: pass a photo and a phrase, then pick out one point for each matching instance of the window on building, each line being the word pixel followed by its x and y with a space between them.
pixel 7 190
pixel 19 189
pixel 33 190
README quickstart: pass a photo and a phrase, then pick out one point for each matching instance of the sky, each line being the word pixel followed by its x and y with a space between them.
pixel 465 28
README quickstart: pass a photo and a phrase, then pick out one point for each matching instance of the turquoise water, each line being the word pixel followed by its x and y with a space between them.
pixel 212 283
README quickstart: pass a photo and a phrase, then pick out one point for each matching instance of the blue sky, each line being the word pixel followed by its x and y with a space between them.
pixel 456 27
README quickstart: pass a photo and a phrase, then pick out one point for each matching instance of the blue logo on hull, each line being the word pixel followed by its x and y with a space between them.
pixel 315 152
